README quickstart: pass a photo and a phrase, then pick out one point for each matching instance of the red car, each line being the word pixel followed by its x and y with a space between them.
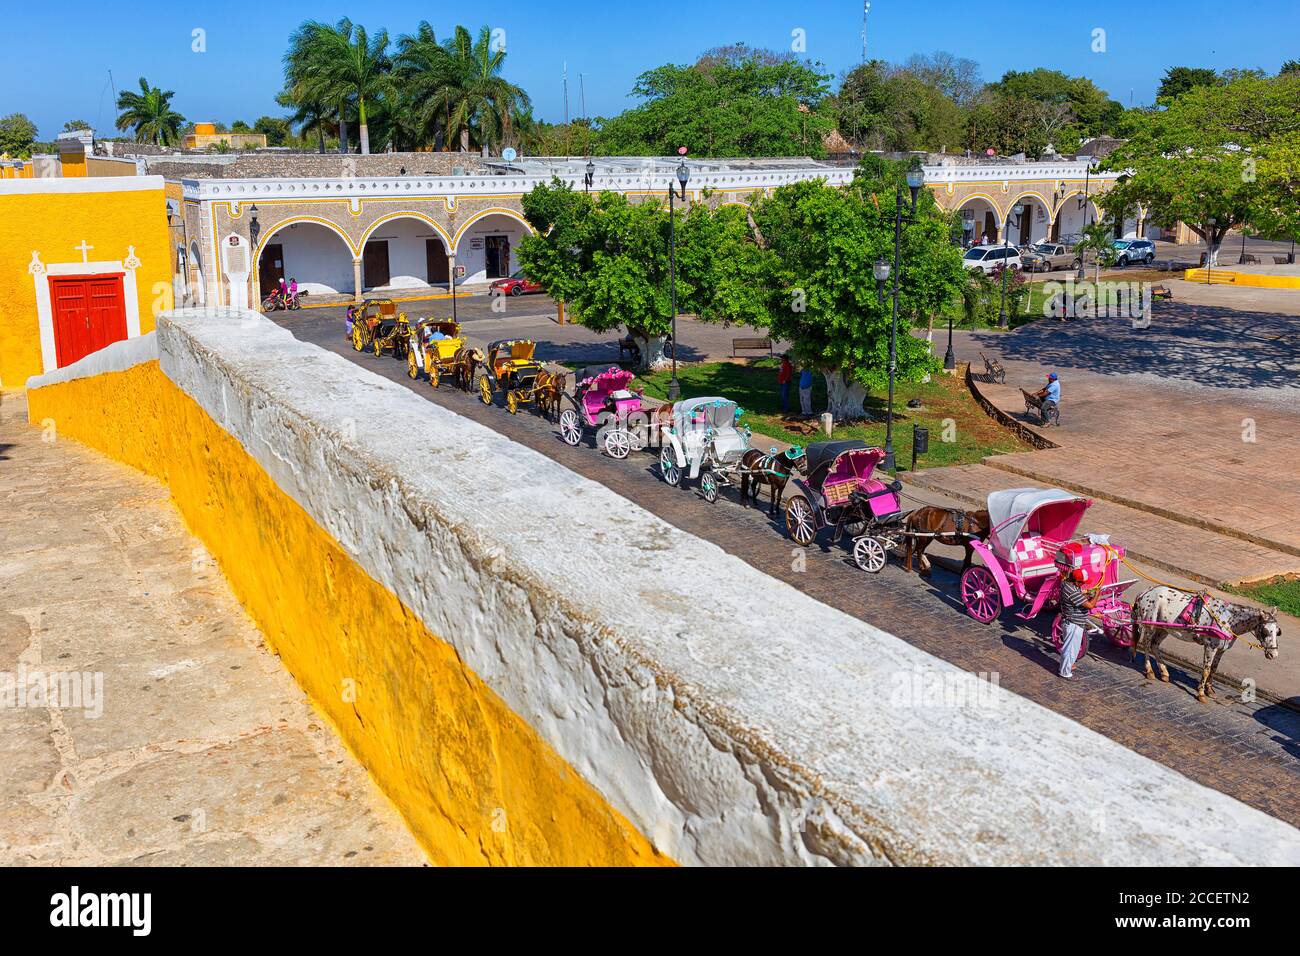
pixel 517 284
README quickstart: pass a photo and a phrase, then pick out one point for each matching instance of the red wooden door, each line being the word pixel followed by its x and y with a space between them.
pixel 89 313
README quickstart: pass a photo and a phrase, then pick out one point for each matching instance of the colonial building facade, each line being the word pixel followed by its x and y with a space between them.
pixel 354 234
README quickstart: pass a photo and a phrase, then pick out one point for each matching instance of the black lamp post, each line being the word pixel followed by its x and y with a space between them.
pixel 590 177
pixel 950 357
pixel 683 176
pixel 1081 275
pixel 1209 249
pixel 254 229
pixel 882 271
pixel 1019 210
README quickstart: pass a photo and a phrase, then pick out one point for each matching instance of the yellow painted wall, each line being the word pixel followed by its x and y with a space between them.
pixel 473 780
pixel 53 224
pixel 72 165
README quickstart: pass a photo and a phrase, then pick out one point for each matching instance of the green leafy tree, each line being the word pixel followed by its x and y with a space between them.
pixel 149 115
pixel 311 116
pixel 1214 158
pixel 276 130
pixel 734 101
pixel 889 108
pixel 239 126
pixel 427 79
pixel 17 134
pixel 819 246
pixel 72 126
pixel 1179 79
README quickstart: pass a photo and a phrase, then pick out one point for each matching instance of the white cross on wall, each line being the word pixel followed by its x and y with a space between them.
pixel 84 250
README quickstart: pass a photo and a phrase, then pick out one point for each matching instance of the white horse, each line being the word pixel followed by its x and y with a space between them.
pixel 1214 627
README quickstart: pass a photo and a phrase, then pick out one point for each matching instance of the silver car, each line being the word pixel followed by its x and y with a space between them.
pixel 1047 257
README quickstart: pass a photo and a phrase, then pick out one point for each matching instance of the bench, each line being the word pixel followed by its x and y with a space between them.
pixel 1281 260
pixel 1045 411
pixel 1248 259
pixel 993 370
pixel 627 346
pixel 1161 292
pixel 751 345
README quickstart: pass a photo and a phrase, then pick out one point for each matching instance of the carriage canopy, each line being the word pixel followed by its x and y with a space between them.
pixel 835 457
pixel 603 378
pixel 696 412
pixel 1042 512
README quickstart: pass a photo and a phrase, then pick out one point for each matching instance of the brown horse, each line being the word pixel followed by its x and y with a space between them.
pixel 926 525
pixel 772 470
pixel 550 386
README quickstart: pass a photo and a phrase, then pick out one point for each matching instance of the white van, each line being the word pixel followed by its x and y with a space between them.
pixel 988 258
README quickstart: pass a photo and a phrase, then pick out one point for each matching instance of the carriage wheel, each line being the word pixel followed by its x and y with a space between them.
pixel 570 427
pixel 869 554
pixel 435 376
pixel 1058 638
pixel 358 338
pixel 485 390
pixel 512 402
pixel 980 594
pixel 799 521
pixel 668 469
pixel 618 444
pixel 709 487
pixel 412 365
pixel 1119 626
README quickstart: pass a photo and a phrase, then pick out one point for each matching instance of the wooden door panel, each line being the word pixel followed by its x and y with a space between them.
pixel 89 313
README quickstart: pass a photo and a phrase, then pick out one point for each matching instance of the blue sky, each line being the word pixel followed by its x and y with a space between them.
pixel 54 61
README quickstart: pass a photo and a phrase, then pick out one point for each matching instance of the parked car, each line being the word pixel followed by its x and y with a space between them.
pixel 517 284
pixel 1134 250
pixel 1047 257
pixel 988 258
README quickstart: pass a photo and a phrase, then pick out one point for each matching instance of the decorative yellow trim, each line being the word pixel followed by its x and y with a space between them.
pixel 328 224
pixel 483 213
pixel 370 230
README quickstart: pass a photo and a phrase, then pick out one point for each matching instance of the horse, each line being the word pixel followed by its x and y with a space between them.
pixel 549 387
pixel 926 525
pixel 466 361
pixel 1212 623
pixel 773 469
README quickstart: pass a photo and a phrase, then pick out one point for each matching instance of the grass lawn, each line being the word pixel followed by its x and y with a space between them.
pixel 753 386
pixel 1282 593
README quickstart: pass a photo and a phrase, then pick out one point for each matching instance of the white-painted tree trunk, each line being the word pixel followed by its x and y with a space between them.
pixel 843 398
pixel 652 351
pixel 365 139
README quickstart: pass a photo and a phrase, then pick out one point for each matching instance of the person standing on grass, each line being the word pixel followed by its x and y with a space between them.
pixel 805 391
pixel 783 376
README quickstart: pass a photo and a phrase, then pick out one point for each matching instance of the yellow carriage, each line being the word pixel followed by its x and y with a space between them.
pixel 370 320
pixel 438 349
pixel 511 367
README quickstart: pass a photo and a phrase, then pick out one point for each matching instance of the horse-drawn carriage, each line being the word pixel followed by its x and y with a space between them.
pixel 701 439
pixel 371 319
pixel 1030 528
pixel 602 401
pixel 839 491
pixel 438 349
pixel 510 366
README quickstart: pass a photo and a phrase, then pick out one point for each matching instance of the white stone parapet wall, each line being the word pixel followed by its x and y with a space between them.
pixel 730 717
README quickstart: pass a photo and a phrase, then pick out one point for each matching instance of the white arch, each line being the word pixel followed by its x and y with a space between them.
pixel 315 220
pixel 317 278
pixel 483 214
pixel 200 283
pixel 981 225
pixel 427 220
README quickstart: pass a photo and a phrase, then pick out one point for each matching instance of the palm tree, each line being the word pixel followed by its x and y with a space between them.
pixel 339 64
pixel 427 76
pixel 482 101
pixel 310 116
pixel 150 113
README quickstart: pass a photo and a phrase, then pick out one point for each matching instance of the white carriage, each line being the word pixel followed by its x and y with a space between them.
pixel 700 439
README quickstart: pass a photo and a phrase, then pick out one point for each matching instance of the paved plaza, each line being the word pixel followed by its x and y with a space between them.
pixel 197 748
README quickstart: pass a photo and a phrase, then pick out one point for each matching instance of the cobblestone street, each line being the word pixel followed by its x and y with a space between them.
pixel 1248 750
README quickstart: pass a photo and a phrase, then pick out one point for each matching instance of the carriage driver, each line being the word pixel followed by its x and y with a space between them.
pixel 1075 605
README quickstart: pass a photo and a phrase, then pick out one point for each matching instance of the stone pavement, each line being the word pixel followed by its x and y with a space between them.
pixel 1196 419
pixel 191 744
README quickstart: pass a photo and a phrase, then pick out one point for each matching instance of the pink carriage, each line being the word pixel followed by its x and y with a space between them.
pixel 601 400
pixel 1029 528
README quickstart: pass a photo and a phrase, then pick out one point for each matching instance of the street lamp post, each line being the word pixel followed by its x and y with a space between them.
pixel 950 357
pixel 1209 250
pixel 683 176
pixel 590 177
pixel 915 179
pixel 254 230
pixel 1019 210
pixel 1081 275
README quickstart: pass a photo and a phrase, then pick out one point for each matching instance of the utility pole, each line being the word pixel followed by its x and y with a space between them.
pixel 567 130
pixel 866 8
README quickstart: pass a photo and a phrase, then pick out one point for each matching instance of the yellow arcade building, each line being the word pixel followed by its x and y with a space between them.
pixel 83 262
